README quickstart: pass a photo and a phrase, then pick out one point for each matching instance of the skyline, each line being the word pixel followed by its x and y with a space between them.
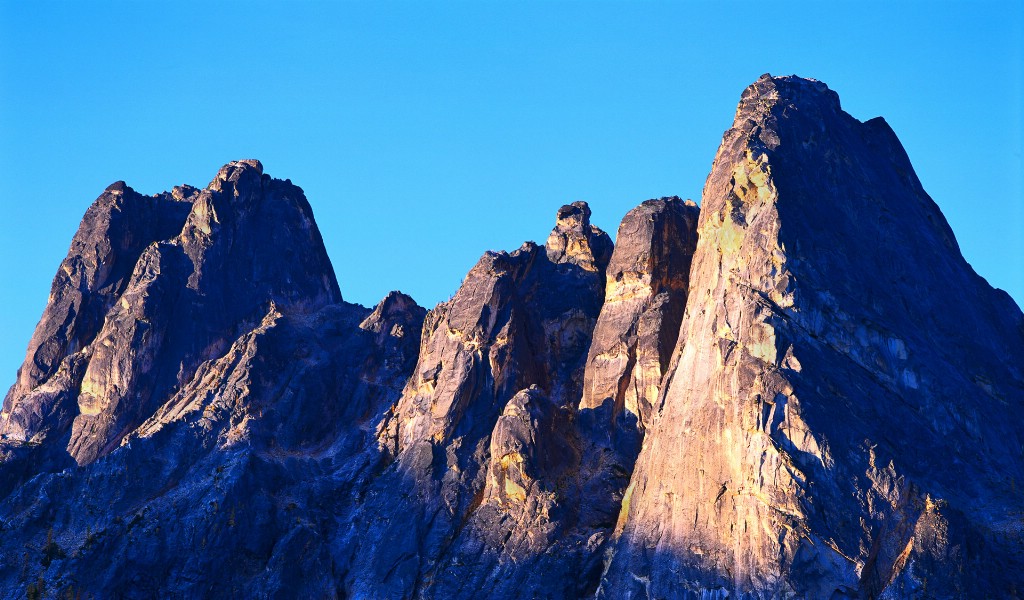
pixel 424 138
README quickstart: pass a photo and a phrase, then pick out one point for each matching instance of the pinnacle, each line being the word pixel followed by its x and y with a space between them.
pixel 572 216
pixel 771 90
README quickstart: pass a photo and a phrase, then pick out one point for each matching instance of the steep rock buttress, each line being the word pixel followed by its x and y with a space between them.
pixel 842 416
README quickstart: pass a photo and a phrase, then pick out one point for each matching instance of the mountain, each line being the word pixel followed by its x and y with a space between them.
pixel 799 389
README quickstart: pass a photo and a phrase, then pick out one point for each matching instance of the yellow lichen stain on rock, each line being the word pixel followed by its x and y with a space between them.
pixel 88 397
pixel 504 475
pixel 740 181
pixel 755 171
pixel 87 405
pixel 620 523
pixel 714 230
pixel 764 348
pixel 730 237
pixel 514 491
pixel 512 459
pixel 759 177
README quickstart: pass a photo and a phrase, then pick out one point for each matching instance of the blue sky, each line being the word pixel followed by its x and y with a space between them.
pixel 427 133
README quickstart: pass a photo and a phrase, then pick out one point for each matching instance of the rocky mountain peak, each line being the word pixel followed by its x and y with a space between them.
pixel 118 187
pixel 574 216
pixel 788 90
pixel 184 192
pixel 574 240
pixel 799 389
pixel 236 171
pixel 770 99
pixel 801 443
pixel 646 286
pixel 173 277
pixel 394 315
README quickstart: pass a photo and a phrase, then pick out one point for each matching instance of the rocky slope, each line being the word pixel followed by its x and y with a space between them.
pixel 799 390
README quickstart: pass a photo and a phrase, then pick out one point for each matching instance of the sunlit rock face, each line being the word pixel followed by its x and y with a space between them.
pixel 645 295
pixel 575 241
pixel 798 390
pixel 842 414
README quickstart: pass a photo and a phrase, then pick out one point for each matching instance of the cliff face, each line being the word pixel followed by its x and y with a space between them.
pixel 800 389
pixel 151 288
pixel 483 433
pixel 216 413
pixel 842 416
pixel 114 233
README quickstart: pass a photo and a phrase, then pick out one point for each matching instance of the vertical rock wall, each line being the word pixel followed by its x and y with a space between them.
pixel 830 425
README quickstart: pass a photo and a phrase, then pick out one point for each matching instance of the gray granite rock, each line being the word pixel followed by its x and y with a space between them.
pixel 483 438
pixel 800 390
pixel 645 295
pixel 842 414
pixel 648 279
pixel 118 227
pixel 227 396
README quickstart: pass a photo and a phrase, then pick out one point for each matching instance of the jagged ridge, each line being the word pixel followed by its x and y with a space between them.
pixel 818 395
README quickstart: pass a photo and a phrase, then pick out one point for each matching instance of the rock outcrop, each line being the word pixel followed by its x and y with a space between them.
pixel 213 481
pixel 648 279
pixel 799 390
pixel 153 287
pixel 842 414
pixel 645 295
pixel 116 230
pixel 483 432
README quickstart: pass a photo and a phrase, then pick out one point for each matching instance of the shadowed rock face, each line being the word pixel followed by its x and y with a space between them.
pixel 220 412
pixel 842 415
pixel 115 231
pixel 799 390
pixel 483 433
pixel 163 284
pixel 232 487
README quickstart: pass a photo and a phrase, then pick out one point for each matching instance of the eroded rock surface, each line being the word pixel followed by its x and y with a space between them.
pixel 842 414
pixel 645 295
pixel 219 412
pixel 483 435
pixel 801 390
pixel 151 288
pixel 115 231
pixel 231 488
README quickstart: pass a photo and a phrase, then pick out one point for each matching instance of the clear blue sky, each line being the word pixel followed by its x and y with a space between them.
pixel 427 133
